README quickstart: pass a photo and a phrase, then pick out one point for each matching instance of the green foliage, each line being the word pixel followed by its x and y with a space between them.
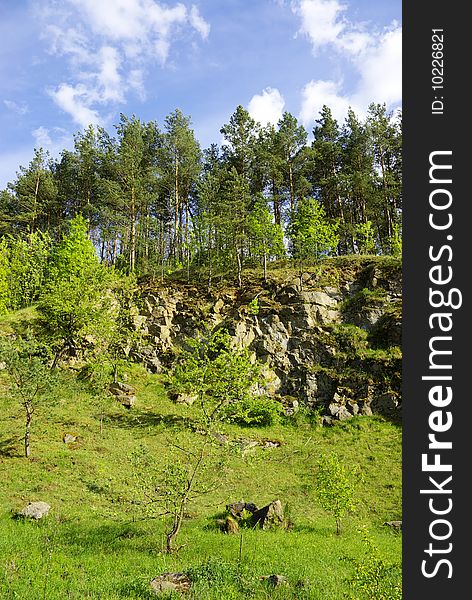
pixel 216 372
pixel 28 265
pixel 312 235
pixel 265 235
pixel 374 578
pixel 396 240
pixel 365 238
pixel 256 411
pixel 4 278
pixel 76 305
pixel 253 307
pixel 335 487
pixel 29 375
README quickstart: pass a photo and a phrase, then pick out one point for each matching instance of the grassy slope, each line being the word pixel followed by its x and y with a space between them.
pixel 90 547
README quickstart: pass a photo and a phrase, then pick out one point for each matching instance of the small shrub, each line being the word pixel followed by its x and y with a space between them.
pixel 254 412
pixel 375 579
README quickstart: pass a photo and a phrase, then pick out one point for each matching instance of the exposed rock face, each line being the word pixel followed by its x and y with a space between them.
pixel 331 344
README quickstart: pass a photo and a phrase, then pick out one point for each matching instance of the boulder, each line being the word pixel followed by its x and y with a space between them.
pixel 35 510
pixel 171 582
pixel 271 515
pixel 126 401
pixel 237 509
pixel 69 438
pixel 120 389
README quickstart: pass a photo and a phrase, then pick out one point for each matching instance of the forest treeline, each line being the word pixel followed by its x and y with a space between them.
pixel 155 202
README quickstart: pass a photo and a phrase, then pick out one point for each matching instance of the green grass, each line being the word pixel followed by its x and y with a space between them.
pixel 95 545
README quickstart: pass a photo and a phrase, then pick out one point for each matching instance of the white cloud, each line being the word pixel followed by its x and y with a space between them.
pixel 199 23
pixel 42 137
pixel 321 20
pixel 109 44
pixel 136 83
pixel 374 56
pixel 76 102
pixel 267 107
pixel 21 108
pixel 380 67
pixel 108 77
pixel 317 93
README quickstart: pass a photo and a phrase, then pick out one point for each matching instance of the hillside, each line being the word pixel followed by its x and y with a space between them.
pixel 331 344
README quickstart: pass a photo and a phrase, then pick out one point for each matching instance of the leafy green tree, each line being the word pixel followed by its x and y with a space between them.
pixel 30 377
pixel 4 278
pixel 365 238
pixel 216 372
pixel 34 195
pixel 311 234
pixel 396 240
pixel 166 493
pixel 77 305
pixel 266 237
pixel 28 264
pixel 335 487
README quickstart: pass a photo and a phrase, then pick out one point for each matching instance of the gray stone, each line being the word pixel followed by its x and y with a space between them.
pixel 271 515
pixel 69 438
pixel 237 509
pixel 187 399
pixel 126 401
pixel 35 510
pixel 171 582
pixel 120 388
pixel 396 525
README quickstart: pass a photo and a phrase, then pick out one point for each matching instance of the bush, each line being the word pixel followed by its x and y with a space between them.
pixel 375 579
pixel 254 412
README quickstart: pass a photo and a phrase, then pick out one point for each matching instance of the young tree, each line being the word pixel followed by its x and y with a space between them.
pixel 76 305
pixel 29 375
pixel 166 492
pixel 28 264
pixel 266 237
pixel 4 277
pixel 216 372
pixel 335 487
pixel 311 234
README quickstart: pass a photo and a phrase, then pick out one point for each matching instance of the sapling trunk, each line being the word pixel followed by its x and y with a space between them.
pixel 29 418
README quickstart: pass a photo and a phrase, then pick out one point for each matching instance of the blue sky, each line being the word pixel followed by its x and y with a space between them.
pixel 66 63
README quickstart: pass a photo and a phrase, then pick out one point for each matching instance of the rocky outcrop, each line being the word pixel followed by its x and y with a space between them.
pixel 331 343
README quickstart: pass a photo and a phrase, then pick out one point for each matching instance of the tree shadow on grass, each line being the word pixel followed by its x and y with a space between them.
pixel 135 419
pixel 9 448
pixel 104 539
